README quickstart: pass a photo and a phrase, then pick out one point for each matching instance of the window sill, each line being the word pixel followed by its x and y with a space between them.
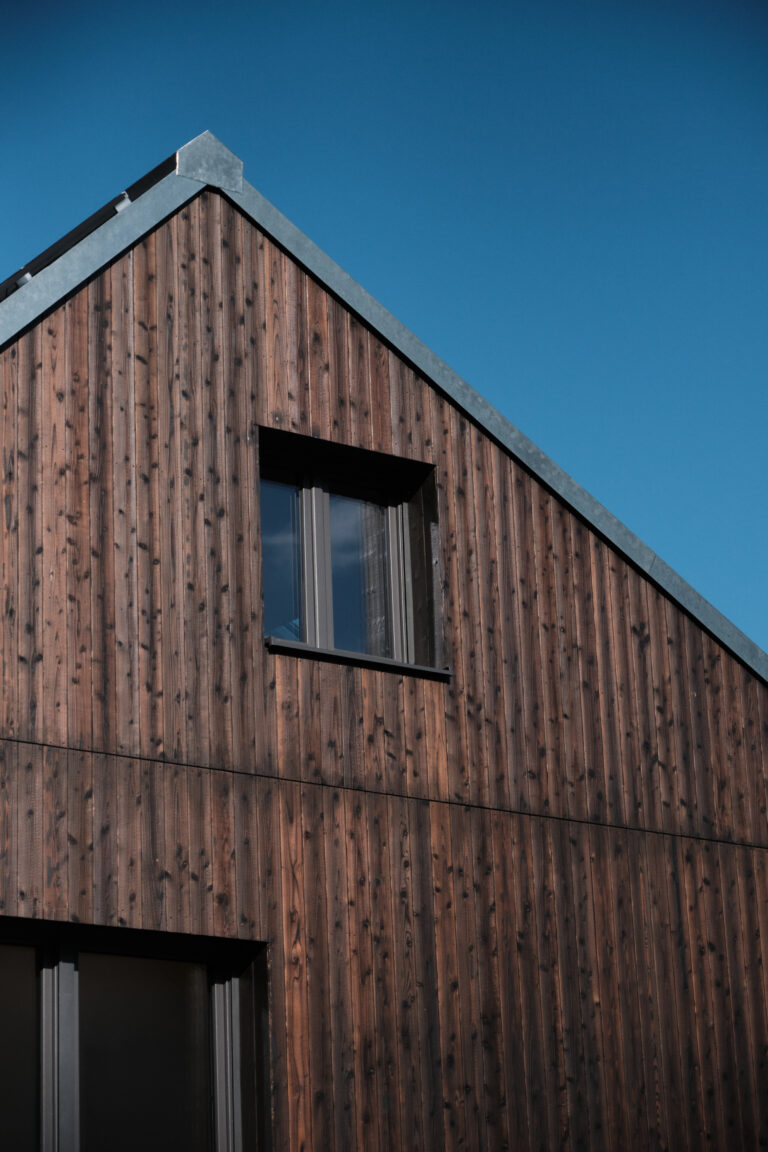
pixel 357 659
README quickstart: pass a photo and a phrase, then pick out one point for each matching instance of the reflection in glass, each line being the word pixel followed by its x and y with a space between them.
pixel 145 1072
pixel 20 1029
pixel 281 560
pixel 359 576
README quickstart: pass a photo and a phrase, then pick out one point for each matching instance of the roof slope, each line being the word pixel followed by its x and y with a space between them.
pixel 32 291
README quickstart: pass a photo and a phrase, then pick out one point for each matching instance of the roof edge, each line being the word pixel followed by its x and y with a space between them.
pixel 206 161
pixel 52 283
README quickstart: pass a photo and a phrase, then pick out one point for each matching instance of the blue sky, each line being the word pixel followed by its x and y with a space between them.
pixel 567 201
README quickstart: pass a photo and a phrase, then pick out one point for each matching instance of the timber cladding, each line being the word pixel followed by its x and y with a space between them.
pixel 523 908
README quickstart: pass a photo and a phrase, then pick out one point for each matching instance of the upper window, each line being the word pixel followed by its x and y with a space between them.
pixel 348 550
pixel 154 1046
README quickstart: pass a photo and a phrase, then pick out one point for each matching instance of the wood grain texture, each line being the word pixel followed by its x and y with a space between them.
pixel 132 619
pixel 493 978
pixel 526 908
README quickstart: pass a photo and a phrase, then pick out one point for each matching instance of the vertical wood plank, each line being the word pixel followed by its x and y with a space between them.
pixel 270 837
pixel 495 1106
pixel 454 1074
pixel 78 529
pixel 319 360
pixel 731 1051
pixel 587 947
pixel 561 845
pixel 201 873
pixel 587 688
pixel 632 776
pixel 122 538
pixel 517 1071
pixel 101 512
pixel 9 548
pixel 9 838
pixel 657 696
pixel 341 1024
pixel 359 382
pixel 497 722
pixel 456 719
pixel 608 715
pixel 154 874
pixel 105 834
pixel 149 558
pixel 617 1040
pixel 225 916
pixel 52 488
pixel 175 793
pixel 252 621
pixel 171 531
pixel 298 1085
pixel 130 864
pixel 250 923
pixel 542 797
pixel 316 907
pixel 744 1013
pixel 572 684
pixel 751 899
pixel 217 557
pixel 55 848
pixel 406 976
pixel 428 984
pixel 388 1064
pixel 80 835
pixel 682 1058
pixel 29 831
pixel 682 750
pixel 194 336
pixel 362 983
pixel 238 498
pixel 468 963
pixel 29 538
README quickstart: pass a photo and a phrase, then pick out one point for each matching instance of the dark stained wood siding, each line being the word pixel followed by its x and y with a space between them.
pixel 521 909
pixel 525 981
pixel 132 617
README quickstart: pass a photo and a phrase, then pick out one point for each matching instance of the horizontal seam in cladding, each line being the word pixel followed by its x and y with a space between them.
pixel 395 795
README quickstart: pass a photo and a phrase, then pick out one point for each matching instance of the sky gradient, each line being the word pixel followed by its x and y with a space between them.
pixel 567 202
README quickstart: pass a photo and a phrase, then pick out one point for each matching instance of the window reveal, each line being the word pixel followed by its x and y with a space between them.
pixel 349 546
pixel 147 1047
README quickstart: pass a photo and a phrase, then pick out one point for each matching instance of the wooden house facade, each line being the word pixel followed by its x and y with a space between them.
pixel 502 883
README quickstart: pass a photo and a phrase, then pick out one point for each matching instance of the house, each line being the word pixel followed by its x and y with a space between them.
pixel 363 783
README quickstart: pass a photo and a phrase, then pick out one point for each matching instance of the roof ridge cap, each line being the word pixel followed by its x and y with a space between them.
pixel 209 161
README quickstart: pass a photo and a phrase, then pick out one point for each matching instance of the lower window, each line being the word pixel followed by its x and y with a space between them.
pixel 130 1040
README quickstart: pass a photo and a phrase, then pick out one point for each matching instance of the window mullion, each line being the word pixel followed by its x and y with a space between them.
pixel 321 566
pixel 308 581
pixel 401 604
pixel 59 1079
pixel 226 1059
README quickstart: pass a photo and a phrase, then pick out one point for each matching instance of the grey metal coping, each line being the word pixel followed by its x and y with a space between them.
pixel 206 161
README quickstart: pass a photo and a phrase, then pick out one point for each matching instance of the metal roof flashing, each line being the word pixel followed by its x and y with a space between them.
pixel 206 161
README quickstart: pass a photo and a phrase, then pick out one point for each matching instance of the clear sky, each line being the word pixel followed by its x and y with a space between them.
pixel 567 201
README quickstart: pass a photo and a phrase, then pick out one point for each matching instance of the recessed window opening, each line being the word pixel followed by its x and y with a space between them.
pixel 349 547
pixel 128 1040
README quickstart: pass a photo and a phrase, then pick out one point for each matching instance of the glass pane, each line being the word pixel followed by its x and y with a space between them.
pixel 19 1052
pixel 145 1075
pixel 360 577
pixel 281 560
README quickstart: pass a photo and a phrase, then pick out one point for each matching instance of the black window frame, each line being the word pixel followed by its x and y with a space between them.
pixel 238 1024
pixel 406 490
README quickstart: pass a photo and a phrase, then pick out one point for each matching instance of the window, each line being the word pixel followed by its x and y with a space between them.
pixel 349 549
pixel 126 1040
